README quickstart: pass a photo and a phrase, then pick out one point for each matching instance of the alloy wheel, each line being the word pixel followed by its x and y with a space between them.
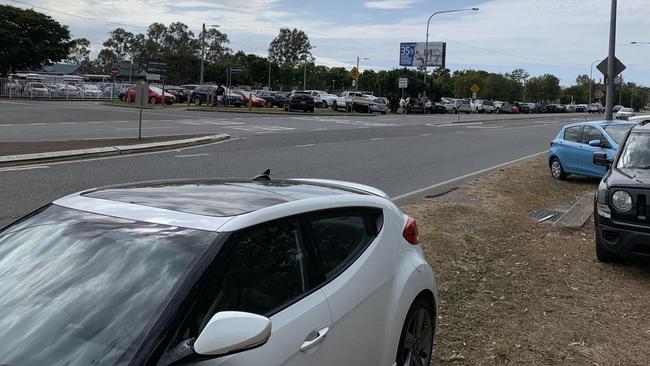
pixel 418 340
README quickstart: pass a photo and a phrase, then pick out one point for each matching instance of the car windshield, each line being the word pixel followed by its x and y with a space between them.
pixel 81 289
pixel 38 85
pixel 625 110
pixel 155 89
pixel 636 152
pixel 617 132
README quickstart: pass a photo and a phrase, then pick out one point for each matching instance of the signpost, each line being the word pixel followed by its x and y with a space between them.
pixel 474 88
pixel 413 54
pixel 141 95
pixel 403 84
pixel 618 67
pixel 231 70
pixel 115 71
pixel 354 73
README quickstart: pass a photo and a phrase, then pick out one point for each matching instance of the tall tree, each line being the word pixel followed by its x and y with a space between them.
pixel 215 45
pixel 290 48
pixel 120 42
pixel 543 88
pixel 29 39
pixel 80 51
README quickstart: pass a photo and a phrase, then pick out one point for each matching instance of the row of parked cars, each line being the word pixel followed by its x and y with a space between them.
pixel 37 89
pixel 453 105
pixel 617 152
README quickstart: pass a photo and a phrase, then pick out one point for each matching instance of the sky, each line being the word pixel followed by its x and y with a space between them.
pixel 562 37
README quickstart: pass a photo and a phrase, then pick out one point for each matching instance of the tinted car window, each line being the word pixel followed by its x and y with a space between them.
pixel 261 270
pixel 339 236
pixel 636 152
pixel 590 133
pixel 572 134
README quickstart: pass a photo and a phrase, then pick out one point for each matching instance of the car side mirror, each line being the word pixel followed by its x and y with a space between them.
pixel 601 159
pixel 232 331
pixel 596 143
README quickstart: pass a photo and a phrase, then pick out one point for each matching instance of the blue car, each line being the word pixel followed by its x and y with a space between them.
pixel 572 149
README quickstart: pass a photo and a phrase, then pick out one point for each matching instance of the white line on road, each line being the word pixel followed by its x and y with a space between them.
pixel 95 122
pixel 425 134
pixel 17 168
pixel 144 128
pixel 7 124
pixel 264 132
pixel 376 138
pixel 305 145
pixel 190 155
pixel 68 123
pixel 459 124
pixel 37 124
pixel 421 190
pixel 319 129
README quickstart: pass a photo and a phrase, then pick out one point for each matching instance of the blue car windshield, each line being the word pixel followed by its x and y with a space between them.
pixel 82 289
pixel 617 132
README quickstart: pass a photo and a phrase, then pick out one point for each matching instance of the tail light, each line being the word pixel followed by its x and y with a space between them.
pixel 410 232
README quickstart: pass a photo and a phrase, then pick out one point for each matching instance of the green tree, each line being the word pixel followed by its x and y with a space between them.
pixel 543 88
pixel 121 43
pixel 216 45
pixel 79 52
pixel 29 39
pixel 290 47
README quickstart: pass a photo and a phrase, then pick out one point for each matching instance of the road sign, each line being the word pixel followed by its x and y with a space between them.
pixel 474 88
pixel 141 93
pixel 355 73
pixel 115 71
pixel 599 94
pixel 412 54
pixel 618 66
pixel 236 70
pixel 403 83
pixel 473 95
pixel 156 66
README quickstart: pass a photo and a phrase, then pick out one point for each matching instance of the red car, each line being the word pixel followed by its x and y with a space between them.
pixel 154 97
pixel 257 102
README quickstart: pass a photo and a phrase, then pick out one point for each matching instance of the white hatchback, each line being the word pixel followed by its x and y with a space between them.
pixel 213 272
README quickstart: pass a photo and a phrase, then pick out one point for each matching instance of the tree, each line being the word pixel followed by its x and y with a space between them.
pixel 120 42
pixel 215 45
pixel 543 88
pixel 290 48
pixel 80 51
pixel 29 39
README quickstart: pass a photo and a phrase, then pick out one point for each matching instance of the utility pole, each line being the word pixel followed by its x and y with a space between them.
pixel 591 81
pixel 609 103
pixel 202 52
pixel 269 84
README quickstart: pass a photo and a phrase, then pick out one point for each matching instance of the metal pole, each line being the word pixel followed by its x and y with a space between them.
pixel 356 83
pixel 304 77
pixel 620 91
pixel 591 79
pixel 332 86
pixel 609 105
pixel 202 52
pixel 130 68
pixel 269 61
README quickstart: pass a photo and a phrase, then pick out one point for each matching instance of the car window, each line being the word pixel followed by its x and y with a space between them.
pixel 339 237
pixel 590 133
pixel 636 152
pixel 572 133
pixel 261 270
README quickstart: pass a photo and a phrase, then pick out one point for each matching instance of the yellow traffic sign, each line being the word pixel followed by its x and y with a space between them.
pixel 474 88
pixel 355 73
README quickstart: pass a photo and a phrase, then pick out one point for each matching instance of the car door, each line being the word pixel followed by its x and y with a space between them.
pixel 360 278
pixel 586 152
pixel 569 149
pixel 264 271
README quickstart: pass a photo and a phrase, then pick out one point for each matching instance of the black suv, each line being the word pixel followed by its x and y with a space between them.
pixel 200 96
pixel 299 100
pixel 622 203
pixel 273 98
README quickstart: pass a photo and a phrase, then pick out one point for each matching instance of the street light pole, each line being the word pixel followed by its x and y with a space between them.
pixel 609 103
pixel 591 79
pixel 356 84
pixel 426 43
pixel 203 49
pixel 304 77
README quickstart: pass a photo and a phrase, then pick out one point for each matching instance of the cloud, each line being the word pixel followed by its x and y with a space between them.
pixel 389 4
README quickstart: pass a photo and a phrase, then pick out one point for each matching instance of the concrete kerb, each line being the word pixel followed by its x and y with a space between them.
pixel 25 159
pixel 515 119
pixel 281 113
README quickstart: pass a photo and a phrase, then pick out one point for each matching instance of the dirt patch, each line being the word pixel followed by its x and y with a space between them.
pixel 15 148
pixel 514 291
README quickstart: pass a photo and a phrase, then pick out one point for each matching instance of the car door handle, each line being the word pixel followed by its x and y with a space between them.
pixel 314 339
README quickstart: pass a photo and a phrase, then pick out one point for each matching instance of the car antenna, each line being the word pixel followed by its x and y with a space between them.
pixel 266 175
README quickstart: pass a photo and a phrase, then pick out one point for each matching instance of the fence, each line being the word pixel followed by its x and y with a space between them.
pixel 66 90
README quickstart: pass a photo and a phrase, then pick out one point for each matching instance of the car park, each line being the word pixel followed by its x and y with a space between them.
pixel 572 149
pixel 624 113
pixel 300 100
pixel 216 272
pixel 622 202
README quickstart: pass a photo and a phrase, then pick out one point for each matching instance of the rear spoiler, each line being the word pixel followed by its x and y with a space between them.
pixel 344 184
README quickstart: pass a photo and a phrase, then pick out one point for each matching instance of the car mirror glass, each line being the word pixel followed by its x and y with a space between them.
pixel 596 143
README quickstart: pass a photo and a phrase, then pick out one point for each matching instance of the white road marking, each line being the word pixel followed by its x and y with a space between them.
pixel 7 124
pixel 37 124
pixel 377 138
pixel 190 155
pixel 68 123
pixel 465 176
pixel 460 124
pixel 263 132
pixel 95 122
pixel 305 145
pixel 485 127
pixel 17 168
pixel 144 128
pixel 319 129
pixel 425 134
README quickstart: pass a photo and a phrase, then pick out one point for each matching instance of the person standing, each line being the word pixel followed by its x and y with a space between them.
pixel 221 91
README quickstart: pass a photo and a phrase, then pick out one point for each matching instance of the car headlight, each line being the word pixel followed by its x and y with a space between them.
pixel 622 201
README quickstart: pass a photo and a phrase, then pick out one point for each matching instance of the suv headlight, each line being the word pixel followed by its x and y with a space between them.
pixel 622 201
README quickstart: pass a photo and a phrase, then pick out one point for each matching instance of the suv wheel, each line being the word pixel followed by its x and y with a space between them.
pixel 556 169
pixel 602 254
pixel 324 104
pixel 197 101
pixel 416 340
pixel 334 107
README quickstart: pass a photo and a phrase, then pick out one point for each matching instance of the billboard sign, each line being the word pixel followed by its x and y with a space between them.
pixel 411 54
pixel 156 66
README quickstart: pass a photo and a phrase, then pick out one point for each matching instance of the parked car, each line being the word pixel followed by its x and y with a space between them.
pixel 484 106
pixel 555 108
pixel 622 200
pixel 380 104
pixel 190 87
pixel 272 98
pixel 436 108
pixel 452 105
pixel 155 96
pixel 572 149
pixel 266 272
pixel 179 93
pixel 505 107
pixel 465 106
pixel 90 91
pixel 251 99
pixel 350 101
pixel 616 108
pixel 624 113
pixel 300 100
pixel 200 95
pixel 414 106
pixel 596 108
pixel 322 98
pixel 64 90
pixel 36 89
pixel 12 87
pixel 523 107
pixel 581 108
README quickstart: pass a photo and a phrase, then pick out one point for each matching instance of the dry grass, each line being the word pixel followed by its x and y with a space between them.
pixel 514 291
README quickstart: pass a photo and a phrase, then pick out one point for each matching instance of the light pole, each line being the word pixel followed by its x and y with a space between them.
pixel 611 65
pixel 356 84
pixel 426 44
pixel 203 49
pixel 591 79
pixel 304 77
pixel 268 59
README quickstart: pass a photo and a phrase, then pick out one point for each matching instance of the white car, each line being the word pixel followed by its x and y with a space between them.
pixel 322 99
pixel 35 89
pixel 213 272
pixel 624 113
pixel 90 91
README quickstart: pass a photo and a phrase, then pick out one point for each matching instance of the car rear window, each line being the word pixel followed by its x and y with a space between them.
pixel 572 133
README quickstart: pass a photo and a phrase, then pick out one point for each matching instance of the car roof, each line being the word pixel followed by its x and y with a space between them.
pixel 600 123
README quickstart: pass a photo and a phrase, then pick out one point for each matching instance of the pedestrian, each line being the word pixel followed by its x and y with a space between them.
pixel 427 106
pixel 221 91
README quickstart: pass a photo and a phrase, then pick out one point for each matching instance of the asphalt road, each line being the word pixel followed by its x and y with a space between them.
pixel 407 156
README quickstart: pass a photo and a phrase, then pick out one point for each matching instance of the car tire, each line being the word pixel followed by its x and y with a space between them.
pixel 497 111
pixel 311 110
pixel 334 106
pixel 197 101
pixel 269 105
pixel 324 104
pixel 603 254
pixel 153 100
pixel 557 171
pixel 423 344
pixel 384 113
pixel 455 111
